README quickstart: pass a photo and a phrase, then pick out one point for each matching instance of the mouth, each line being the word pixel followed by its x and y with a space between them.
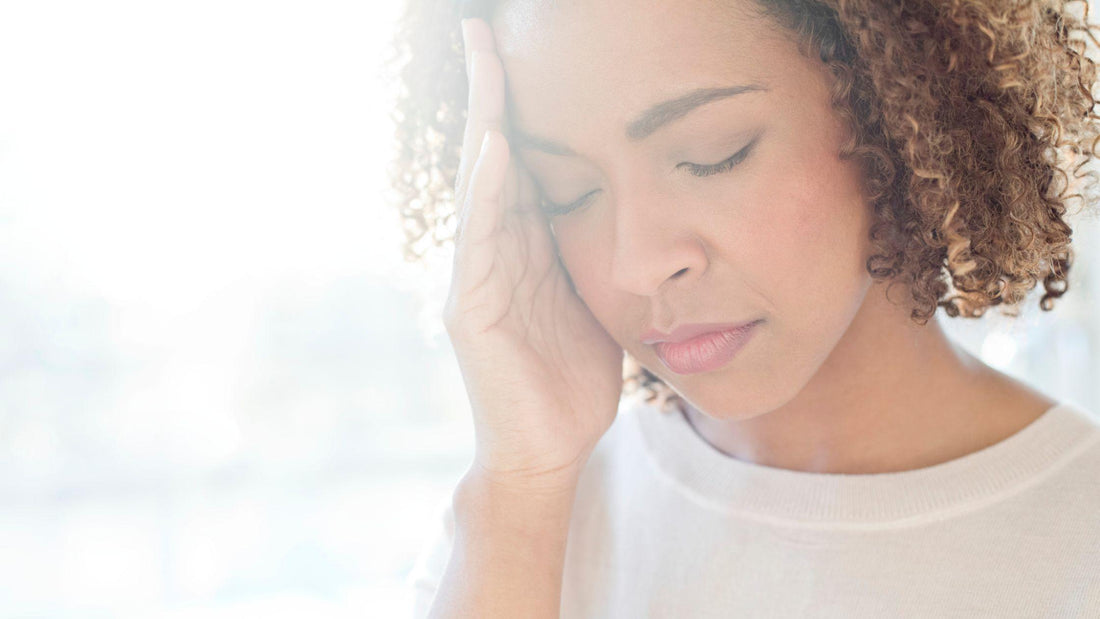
pixel 704 352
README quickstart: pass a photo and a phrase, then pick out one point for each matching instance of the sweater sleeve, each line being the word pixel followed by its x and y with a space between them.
pixel 423 579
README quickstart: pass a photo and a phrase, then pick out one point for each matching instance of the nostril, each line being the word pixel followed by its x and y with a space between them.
pixel 680 272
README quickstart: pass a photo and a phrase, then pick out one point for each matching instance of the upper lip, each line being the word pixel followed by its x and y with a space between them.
pixel 688 331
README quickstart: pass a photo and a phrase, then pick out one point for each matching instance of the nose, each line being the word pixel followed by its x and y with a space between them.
pixel 653 245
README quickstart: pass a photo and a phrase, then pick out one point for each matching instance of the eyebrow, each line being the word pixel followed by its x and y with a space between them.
pixel 647 123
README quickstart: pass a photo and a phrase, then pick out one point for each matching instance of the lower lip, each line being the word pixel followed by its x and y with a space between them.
pixel 706 352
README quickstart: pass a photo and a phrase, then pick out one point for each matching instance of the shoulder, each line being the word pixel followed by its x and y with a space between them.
pixel 1067 483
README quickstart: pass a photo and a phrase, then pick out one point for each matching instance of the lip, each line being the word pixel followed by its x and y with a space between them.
pixel 689 331
pixel 706 351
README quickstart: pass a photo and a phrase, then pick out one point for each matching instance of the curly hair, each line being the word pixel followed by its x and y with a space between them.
pixel 972 120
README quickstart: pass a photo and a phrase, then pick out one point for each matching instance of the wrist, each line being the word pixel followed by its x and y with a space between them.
pixel 507 504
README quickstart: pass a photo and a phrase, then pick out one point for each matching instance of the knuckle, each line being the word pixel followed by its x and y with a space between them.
pixel 450 322
pixel 456 328
pixel 450 313
pixel 455 322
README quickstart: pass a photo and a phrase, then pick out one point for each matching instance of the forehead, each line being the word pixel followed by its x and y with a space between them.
pixel 581 67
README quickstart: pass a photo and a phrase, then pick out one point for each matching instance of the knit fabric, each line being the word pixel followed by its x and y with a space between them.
pixel 664 525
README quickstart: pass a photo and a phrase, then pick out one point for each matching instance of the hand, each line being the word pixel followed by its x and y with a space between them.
pixel 543 376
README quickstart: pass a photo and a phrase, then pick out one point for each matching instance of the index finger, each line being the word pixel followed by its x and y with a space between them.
pixel 476 34
pixel 485 109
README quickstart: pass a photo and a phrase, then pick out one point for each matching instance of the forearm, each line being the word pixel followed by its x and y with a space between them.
pixel 508 553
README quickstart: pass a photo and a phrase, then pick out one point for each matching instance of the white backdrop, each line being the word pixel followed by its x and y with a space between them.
pixel 222 393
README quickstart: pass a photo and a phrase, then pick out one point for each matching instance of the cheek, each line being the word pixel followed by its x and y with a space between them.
pixel 811 243
pixel 581 257
pixel 585 258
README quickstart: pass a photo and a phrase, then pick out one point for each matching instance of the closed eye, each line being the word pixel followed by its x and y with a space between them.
pixel 553 209
pixel 723 166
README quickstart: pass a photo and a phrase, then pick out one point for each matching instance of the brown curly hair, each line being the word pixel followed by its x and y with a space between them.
pixel 973 121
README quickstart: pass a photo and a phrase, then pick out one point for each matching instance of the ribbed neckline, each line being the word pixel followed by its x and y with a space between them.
pixel 827 500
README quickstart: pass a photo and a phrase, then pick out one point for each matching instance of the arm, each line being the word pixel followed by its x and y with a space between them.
pixel 509 552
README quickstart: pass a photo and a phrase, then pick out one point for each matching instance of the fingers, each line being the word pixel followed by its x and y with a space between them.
pixel 485 108
pixel 476 34
pixel 480 216
pixel 487 180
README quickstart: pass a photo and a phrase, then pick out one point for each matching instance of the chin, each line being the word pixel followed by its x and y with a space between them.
pixel 725 395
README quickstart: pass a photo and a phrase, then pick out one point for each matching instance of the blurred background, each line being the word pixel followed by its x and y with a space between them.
pixel 222 391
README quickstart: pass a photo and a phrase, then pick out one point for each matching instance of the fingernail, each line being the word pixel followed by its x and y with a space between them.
pixel 485 141
pixel 465 29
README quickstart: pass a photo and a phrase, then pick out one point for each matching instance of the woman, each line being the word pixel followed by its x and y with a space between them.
pixel 762 203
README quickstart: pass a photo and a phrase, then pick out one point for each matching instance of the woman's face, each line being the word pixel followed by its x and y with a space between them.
pixel 782 235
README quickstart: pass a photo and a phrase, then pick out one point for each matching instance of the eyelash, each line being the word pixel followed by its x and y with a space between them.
pixel 554 209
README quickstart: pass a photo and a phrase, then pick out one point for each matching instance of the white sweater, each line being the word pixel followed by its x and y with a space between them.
pixel 664 525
